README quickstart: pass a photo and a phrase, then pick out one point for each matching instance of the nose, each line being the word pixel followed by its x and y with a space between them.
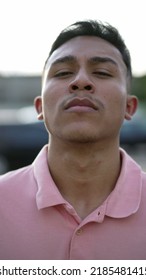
pixel 81 82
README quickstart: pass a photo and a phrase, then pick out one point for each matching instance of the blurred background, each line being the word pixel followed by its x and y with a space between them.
pixel 28 28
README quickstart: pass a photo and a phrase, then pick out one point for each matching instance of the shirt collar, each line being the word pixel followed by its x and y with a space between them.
pixel 123 201
pixel 47 194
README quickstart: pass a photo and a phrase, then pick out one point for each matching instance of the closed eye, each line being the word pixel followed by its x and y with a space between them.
pixel 63 74
pixel 102 73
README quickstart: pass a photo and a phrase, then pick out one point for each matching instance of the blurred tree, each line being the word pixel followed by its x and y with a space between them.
pixel 139 87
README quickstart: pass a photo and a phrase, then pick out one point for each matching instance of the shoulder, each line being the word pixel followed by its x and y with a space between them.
pixel 17 189
pixel 16 177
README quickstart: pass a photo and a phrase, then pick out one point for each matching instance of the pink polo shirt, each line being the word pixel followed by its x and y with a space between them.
pixel 36 222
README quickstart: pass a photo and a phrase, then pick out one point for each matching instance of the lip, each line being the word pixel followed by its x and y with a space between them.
pixel 81 104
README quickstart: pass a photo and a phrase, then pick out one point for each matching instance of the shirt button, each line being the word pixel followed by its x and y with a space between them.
pixel 79 231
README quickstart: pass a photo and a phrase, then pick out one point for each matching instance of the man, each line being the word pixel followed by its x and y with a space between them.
pixel 83 197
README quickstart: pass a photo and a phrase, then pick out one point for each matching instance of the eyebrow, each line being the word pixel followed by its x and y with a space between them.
pixel 102 59
pixel 65 59
pixel 93 60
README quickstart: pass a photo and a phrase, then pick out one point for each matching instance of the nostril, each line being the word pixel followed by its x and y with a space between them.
pixel 88 87
pixel 74 87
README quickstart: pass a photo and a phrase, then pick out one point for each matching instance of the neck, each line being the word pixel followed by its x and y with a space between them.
pixel 85 174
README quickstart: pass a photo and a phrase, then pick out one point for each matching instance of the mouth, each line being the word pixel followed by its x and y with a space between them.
pixel 81 105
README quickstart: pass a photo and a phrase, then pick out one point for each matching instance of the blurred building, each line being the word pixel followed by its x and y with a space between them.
pixel 17 91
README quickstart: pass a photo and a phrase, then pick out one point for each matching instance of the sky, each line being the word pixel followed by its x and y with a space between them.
pixel 29 27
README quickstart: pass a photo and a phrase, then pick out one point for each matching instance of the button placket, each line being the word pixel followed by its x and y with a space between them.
pixel 100 214
pixel 72 212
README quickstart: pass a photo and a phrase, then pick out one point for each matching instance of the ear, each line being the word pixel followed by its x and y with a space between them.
pixel 131 106
pixel 38 106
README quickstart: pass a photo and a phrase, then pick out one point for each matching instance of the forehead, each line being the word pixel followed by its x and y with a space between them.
pixel 86 47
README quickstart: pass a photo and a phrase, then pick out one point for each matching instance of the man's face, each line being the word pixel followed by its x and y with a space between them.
pixel 84 93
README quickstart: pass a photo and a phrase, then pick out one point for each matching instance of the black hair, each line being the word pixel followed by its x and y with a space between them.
pixel 98 29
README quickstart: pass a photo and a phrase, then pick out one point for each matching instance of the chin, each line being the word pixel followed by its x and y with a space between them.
pixel 81 137
pixel 77 133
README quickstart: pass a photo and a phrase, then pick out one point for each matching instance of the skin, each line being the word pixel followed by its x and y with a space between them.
pixel 84 102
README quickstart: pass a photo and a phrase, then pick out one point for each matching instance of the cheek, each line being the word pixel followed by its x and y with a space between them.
pixel 54 92
pixel 52 99
pixel 114 101
pixel 117 94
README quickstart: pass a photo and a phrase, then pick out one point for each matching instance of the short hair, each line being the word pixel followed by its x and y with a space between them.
pixel 98 29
